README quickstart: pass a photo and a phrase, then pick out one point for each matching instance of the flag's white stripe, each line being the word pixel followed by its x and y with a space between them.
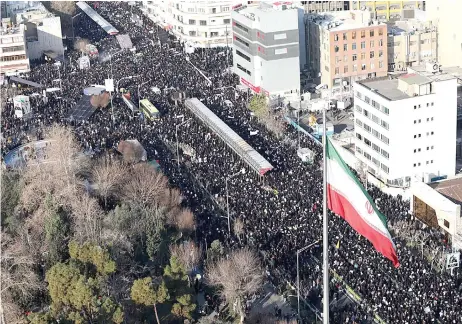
pixel 347 187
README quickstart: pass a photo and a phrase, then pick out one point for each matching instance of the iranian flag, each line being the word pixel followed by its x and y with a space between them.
pixel 348 198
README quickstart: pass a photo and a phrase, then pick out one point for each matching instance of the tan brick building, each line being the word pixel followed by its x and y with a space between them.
pixel 346 47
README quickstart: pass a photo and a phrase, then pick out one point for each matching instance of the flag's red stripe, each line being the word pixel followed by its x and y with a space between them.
pixel 341 206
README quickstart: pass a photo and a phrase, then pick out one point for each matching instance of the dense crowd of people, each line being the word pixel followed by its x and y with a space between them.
pixel 281 211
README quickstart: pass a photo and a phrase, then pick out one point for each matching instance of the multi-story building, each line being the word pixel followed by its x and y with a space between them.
pixel 410 43
pixel 323 6
pixel 446 16
pixel 266 55
pixel 13 55
pixel 346 46
pixel 387 10
pixel 202 23
pixel 406 127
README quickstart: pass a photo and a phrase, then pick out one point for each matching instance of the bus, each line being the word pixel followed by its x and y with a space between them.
pixel 149 110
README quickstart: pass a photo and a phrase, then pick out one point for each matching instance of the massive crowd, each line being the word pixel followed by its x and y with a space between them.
pixel 277 222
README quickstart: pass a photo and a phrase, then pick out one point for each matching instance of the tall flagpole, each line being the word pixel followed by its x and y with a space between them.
pixel 325 223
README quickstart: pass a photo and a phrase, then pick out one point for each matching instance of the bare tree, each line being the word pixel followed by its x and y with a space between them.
pixel 87 218
pixel 182 219
pixel 236 277
pixel 188 253
pixel 238 228
pixel 81 45
pixel 101 100
pixel 145 187
pixel 108 177
pixel 17 274
pixel 65 7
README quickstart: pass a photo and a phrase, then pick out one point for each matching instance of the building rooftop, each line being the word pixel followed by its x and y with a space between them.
pixel 451 189
pixel 249 11
pixel 344 20
pixel 391 88
pixel 450 71
pixel 411 26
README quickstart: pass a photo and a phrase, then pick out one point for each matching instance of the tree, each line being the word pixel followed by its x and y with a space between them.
pixel 108 177
pixel 10 194
pixel 214 252
pixel 56 232
pixel 238 228
pixel 144 293
pixel 177 282
pixel 236 277
pixel 258 105
pixel 87 218
pixel 183 220
pixel 145 187
pixel 65 7
pixel 188 254
pixel 90 253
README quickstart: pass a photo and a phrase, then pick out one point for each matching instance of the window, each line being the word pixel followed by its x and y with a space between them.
pixel 353 35
pixel 380 31
pixel 363 67
pixel 336 37
pixel 353 46
pixel 13 49
pixel 375 133
pixel 384 139
pixel 240 67
pixel 363 45
pixel 358 149
pixel 226 21
pixel 371 43
pixel 241 41
pixel 337 59
pixel 359 136
pixel 384 124
pixel 432 104
pixel 355 68
pixel 380 64
pixel 371 54
pixel 241 27
pixel 214 10
pixel 415 165
pixel 363 33
pixel 367 128
pixel 345 69
pixel 446 224
pixel 358 109
pixel 245 57
pixel 192 22
pixel 192 33
pixel 345 58
pixel 280 51
pixel 367 155
pixel 337 70
pixel 385 168
pixel 345 47
pixel 280 36
pixel 376 147
pixel 431 119
pixel 375 119
pixel 385 110
pixel 371 33
pixel 225 8
pixel 375 161
pixel 366 113
pixel 336 48
pixel 355 57
pixel 367 99
pixel 359 123
pixel 363 56
pixel 384 153
pixel 380 42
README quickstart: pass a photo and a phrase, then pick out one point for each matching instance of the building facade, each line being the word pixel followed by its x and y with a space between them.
pixel 266 55
pixel 346 46
pixel 405 128
pixel 13 50
pixel 446 16
pixel 387 10
pixel 201 23
pixel 323 6
pixel 411 43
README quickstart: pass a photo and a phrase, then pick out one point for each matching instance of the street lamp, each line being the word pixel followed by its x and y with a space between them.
pixel 176 138
pixel 72 18
pixel 242 171
pixel 298 274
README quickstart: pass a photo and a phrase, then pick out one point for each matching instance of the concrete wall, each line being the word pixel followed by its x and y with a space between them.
pixel 49 38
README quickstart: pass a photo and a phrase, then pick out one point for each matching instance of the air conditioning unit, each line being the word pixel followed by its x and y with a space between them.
pixel 432 67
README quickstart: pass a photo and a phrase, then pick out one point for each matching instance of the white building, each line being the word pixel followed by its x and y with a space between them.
pixel 204 23
pixel 406 127
pixel 266 54
pixel 13 55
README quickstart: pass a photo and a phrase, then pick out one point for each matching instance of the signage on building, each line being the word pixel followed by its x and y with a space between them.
pixel 452 260
pixel 250 85
pixel 22 103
